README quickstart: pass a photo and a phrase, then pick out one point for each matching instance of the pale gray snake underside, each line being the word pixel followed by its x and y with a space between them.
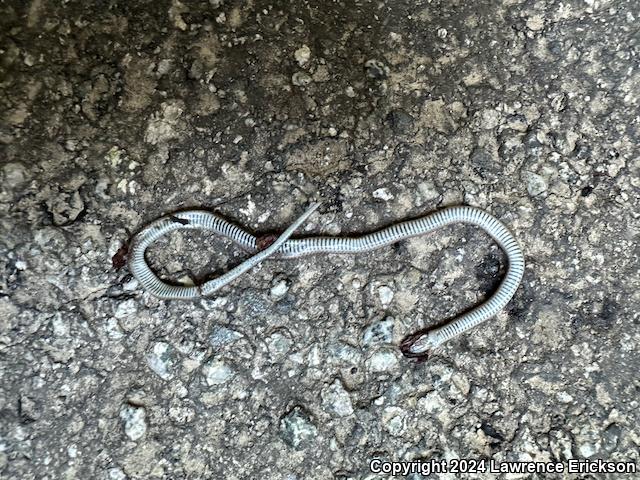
pixel 415 345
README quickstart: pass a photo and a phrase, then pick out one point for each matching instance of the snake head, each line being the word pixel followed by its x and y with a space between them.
pixel 418 345
pixel 119 260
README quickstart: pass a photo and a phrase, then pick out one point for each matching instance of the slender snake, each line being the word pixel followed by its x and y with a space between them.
pixel 418 344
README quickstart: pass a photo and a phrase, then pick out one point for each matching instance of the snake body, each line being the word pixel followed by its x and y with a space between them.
pixel 416 345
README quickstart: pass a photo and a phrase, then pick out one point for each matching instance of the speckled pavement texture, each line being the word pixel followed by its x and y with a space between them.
pixel 118 112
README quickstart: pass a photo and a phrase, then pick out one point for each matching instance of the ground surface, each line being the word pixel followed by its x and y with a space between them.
pixel 117 114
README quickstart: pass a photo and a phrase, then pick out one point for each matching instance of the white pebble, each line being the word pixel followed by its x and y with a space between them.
pixel 302 55
pixel 382 362
pixel 279 289
pixel 300 79
pixel 383 194
pixel 217 372
pixel 386 295
pixel 135 425
pixel 159 360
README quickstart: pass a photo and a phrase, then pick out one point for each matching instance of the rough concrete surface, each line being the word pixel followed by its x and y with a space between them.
pixel 117 112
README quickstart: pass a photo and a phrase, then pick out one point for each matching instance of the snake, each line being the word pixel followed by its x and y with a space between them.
pixel 419 344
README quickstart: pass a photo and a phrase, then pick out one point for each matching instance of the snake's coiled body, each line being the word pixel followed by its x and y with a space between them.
pixel 415 345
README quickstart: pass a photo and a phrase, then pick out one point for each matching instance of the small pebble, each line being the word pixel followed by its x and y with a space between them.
pixel 297 430
pixel 279 288
pixel 383 194
pixel 217 372
pixel 336 400
pixel 300 79
pixel 386 295
pixel 302 55
pixel 134 419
